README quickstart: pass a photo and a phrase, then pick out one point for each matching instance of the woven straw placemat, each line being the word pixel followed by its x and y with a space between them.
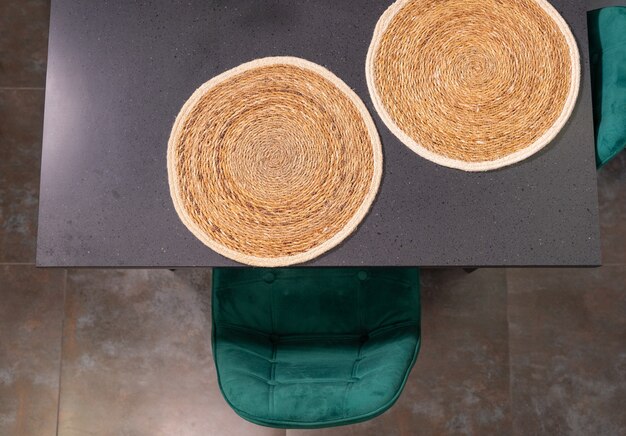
pixel 274 162
pixel 473 84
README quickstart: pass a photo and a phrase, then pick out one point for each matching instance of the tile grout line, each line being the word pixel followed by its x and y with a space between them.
pixel 21 88
pixel 508 347
pixel 16 263
pixel 61 353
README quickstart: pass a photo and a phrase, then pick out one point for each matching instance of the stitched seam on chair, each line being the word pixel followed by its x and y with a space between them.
pixel 250 374
pixel 312 382
pixel 274 349
pixel 307 338
pixel 242 329
pixel 272 312
pixel 243 349
pixel 357 359
pixel 349 384
pixel 273 383
pixel 387 328
pixel 291 382
pixel 358 306
pixel 292 337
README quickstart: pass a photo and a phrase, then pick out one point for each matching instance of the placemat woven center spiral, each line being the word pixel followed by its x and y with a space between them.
pixel 473 81
pixel 273 163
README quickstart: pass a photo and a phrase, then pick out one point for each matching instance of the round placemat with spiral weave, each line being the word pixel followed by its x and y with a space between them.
pixel 473 84
pixel 274 162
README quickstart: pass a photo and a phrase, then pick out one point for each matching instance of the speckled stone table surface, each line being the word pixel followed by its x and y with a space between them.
pixel 119 71
pixel 597 4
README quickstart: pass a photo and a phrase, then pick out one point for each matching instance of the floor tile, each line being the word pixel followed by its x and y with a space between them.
pixel 23 42
pixel 460 382
pixel 21 120
pixel 567 347
pixel 137 357
pixel 612 198
pixel 31 316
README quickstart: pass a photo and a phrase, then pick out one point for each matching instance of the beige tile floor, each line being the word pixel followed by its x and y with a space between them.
pixel 93 352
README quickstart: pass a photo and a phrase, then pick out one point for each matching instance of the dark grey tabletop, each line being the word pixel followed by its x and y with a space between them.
pixel 119 71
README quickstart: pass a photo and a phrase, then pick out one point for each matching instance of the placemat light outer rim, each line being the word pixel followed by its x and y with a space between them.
pixel 329 244
pixel 510 159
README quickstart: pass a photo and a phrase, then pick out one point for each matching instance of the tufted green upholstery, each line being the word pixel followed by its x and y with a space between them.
pixel 309 348
pixel 607 47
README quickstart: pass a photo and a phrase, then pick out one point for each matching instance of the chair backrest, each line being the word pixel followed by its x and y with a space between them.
pixel 316 300
pixel 607 48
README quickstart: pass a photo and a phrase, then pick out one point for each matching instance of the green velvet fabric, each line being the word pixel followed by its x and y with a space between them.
pixel 314 347
pixel 607 47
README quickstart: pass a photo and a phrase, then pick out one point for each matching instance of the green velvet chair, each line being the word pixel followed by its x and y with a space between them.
pixel 607 47
pixel 311 348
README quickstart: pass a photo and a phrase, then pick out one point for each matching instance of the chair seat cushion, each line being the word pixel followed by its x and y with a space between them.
pixel 308 348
